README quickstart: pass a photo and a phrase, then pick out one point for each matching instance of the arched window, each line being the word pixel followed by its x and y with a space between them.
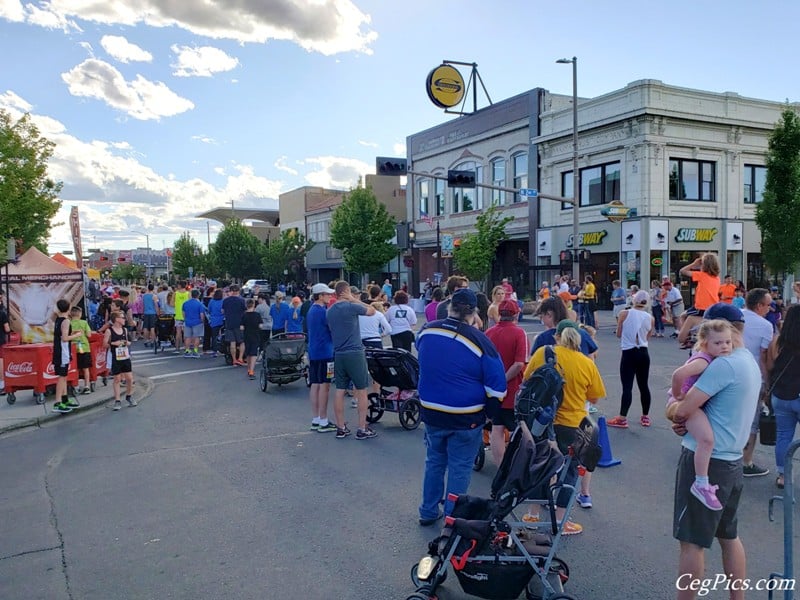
pixel 499 180
pixel 465 199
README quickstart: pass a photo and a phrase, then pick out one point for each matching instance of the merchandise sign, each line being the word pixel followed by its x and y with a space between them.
pixel 693 234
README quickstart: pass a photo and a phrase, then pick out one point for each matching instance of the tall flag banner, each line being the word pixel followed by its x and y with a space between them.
pixel 75 227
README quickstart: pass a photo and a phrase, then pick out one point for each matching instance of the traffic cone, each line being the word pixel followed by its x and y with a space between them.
pixel 606 457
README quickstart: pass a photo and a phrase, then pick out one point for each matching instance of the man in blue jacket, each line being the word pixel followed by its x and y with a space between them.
pixel 462 381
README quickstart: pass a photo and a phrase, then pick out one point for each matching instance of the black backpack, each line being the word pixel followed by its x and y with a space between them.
pixel 543 390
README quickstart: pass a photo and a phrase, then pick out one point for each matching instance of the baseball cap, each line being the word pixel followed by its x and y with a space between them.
pixel 562 325
pixel 465 297
pixel 508 308
pixel 321 288
pixel 641 297
pixel 726 312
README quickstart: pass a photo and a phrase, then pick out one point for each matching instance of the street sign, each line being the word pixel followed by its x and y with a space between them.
pixel 616 211
pixel 528 192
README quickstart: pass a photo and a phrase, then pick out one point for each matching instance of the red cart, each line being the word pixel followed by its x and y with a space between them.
pixel 99 368
pixel 29 367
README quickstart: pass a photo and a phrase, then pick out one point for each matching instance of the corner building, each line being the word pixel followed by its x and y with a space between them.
pixel 690 162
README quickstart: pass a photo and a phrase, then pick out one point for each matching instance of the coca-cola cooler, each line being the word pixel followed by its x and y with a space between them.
pixel 99 368
pixel 30 367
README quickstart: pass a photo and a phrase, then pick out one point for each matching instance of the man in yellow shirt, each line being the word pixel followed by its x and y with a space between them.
pixel 582 382
pixel 181 296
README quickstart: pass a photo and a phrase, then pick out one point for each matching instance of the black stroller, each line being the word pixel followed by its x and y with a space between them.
pixel 284 360
pixel 495 555
pixel 399 369
pixel 165 333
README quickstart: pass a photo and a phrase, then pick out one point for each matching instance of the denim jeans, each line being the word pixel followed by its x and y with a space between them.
pixel 451 452
pixel 787 415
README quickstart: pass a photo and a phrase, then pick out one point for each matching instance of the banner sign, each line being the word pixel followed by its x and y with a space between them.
pixel 75 228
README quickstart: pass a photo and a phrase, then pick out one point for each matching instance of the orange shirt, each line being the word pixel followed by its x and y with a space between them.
pixel 726 292
pixel 707 292
pixel 544 293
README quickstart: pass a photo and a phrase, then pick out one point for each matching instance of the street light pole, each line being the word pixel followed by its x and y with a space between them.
pixel 149 261
pixel 576 176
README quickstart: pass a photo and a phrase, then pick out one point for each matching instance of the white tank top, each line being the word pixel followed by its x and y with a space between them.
pixel 635 328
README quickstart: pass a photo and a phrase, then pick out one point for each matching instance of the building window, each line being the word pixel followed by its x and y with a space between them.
pixel 499 180
pixel 440 195
pixel 423 198
pixel 691 180
pixel 479 192
pixel 520 162
pixel 599 185
pixel 464 199
pixel 755 178
pixel 319 231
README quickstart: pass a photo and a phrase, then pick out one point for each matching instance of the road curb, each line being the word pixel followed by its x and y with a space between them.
pixel 143 386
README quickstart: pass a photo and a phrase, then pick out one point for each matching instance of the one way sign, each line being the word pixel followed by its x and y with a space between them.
pixel 529 192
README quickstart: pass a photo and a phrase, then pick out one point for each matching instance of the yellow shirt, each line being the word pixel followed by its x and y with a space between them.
pixel 581 381
pixel 180 298
pixel 589 291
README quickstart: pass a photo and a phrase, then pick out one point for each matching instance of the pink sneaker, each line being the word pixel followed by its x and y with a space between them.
pixel 707 494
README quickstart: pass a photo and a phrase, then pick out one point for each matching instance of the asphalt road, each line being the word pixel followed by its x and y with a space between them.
pixel 212 489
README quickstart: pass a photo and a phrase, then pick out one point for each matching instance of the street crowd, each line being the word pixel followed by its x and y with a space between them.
pixel 474 357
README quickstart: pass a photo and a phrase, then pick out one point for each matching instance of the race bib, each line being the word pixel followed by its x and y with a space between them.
pixel 329 372
pixel 122 353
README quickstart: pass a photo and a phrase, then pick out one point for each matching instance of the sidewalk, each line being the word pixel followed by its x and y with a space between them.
pixel 26 413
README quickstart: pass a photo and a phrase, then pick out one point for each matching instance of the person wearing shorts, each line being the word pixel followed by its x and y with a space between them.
pixel 350 362
pixel 181 295
pixel 251 332
pixel 320 357
pixel 233 309
pixel 149 315
pixel 62 354
pixel 728 392
pixel 194 314
pixel 116 340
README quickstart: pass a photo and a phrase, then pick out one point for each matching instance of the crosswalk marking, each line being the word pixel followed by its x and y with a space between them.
pixel 189 372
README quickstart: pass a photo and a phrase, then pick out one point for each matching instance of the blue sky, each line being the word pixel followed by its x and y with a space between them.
pixel 161 110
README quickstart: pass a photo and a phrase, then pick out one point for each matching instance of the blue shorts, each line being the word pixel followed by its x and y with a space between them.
pixel 318 371
pixel 350 366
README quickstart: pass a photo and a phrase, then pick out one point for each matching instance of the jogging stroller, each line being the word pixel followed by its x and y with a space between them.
pixel 222 347
pixel 399 369
pixel 165 333
pixel 284 360
pixel 493 554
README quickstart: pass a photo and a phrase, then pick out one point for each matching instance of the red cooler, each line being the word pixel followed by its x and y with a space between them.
pixel 99 366
pixel 29 367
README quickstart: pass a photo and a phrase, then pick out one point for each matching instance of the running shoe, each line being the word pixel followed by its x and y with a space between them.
pixel 365 434
pixel 342 433
pixel 529 518
pixel 572 528
pixel 645 421
pixel 131 401
pixel 754 471
pixel 62 407
pixel 592 409
pixel 707 494
pixel 585 500
pixel 326 428
pixel 619 422
pixel 73 402
pixel 86 391
pixel 117 405
pixel 251 375
pixel 314 426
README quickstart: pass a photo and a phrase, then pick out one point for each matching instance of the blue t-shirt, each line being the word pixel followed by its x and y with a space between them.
pixel 345 330
pixel 294 324
pixel 233 308
pixel 548 338
pixel 215 316
pixel 280 313
pixel 149 303
pixel 461 375
pixel 192 309
pixel 733 382
pixel 738 302
pixel 320 343
pixel 618 296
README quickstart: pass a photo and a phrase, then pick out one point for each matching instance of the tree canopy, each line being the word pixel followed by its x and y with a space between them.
pixel 778 213
pixel 361 228
pixel 28 197
pixel 287 253
pixel 474 256
pixel 187 253
pixel 237 252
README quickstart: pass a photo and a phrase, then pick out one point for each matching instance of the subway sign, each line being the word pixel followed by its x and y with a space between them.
pixel 591 238
pixel 694 234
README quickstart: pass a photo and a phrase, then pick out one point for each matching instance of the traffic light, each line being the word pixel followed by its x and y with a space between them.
pixel 565 256
pixel 461 179
pixel 391 166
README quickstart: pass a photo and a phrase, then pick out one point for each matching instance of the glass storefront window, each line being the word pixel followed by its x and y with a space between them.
pixel 498 179
pixel 440 194
pixel 520 173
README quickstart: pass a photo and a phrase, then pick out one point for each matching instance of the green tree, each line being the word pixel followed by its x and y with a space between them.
pixel 127 273
pixel 287 253
pixel 237 252
pixel 778 213
pixel 361 229
pixel 187 253
pixel 28 197
pixel 474 256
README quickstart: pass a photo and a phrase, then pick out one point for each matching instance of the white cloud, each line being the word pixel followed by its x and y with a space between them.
pixel 325 26
pixel 86 46
pixel 124 51
pixel 337 172
pixel 399 149
pixel 219 170
pixel 140 98
pixel 12 10
pixel 116 192
pixel 368 144
pixel 201 62
pixel 204 138
pixel 281 165
pixel 11 100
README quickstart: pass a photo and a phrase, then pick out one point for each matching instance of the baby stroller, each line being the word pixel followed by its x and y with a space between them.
pixel 222 347
pixel 165 333
pixel 284 360
pixel 493 554
pixel 394 368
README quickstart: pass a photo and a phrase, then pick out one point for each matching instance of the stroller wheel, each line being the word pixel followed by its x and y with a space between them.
pixel 480 459
pixel 374 410
pixel 262 380
pixel 228 360
pixel 409 414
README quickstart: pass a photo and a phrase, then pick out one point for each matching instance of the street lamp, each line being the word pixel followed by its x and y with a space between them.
pixel 147 237
pixel 576 176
